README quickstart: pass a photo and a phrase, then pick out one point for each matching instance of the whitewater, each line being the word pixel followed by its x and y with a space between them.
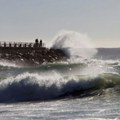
pixel 85 87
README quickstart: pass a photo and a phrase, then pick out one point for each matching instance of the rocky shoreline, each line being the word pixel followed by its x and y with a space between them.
pixel 31 55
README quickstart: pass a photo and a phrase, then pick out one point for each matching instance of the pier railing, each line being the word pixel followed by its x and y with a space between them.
pixel 20 44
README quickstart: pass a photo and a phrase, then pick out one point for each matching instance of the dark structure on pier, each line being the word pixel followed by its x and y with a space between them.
pixel 30 53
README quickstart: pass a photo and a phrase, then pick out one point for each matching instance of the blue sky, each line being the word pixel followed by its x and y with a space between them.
pixel 24 20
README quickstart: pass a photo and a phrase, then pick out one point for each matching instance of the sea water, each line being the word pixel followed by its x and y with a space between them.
pixel 80 88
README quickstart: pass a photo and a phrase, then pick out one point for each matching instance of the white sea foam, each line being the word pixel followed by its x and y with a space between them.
pixel 6 63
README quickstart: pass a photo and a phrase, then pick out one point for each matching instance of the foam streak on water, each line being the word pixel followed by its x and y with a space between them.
pixel 78 109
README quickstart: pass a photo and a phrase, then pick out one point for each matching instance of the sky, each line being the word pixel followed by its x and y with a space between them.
pixel 25 20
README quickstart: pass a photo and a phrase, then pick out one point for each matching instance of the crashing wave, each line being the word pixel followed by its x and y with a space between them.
pixel 32 87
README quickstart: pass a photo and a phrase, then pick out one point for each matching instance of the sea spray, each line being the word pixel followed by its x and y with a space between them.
pixel 8 63
pixel 74 44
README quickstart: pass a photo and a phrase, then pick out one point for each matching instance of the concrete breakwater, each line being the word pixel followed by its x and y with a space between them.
pixel 30 53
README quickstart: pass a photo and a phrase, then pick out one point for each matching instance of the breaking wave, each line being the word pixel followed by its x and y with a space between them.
pixel 33 84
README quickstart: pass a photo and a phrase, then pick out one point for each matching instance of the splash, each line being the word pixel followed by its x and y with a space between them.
pixel 6 63
pixel 74 44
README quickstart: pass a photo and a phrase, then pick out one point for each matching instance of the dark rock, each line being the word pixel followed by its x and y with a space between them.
pixel 29 55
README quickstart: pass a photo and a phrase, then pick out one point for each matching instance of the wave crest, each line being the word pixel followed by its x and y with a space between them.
pixel 31 87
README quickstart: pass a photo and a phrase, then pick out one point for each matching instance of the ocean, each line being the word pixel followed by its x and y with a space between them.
pixel 88 89
pixel 86 86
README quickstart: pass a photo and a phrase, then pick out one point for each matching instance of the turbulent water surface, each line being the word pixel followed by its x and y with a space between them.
pixel 79 88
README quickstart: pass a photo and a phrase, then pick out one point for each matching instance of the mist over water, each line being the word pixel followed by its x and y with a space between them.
pixel 74 44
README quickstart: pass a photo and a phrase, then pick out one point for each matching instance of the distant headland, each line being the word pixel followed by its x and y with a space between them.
pixel 30 53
